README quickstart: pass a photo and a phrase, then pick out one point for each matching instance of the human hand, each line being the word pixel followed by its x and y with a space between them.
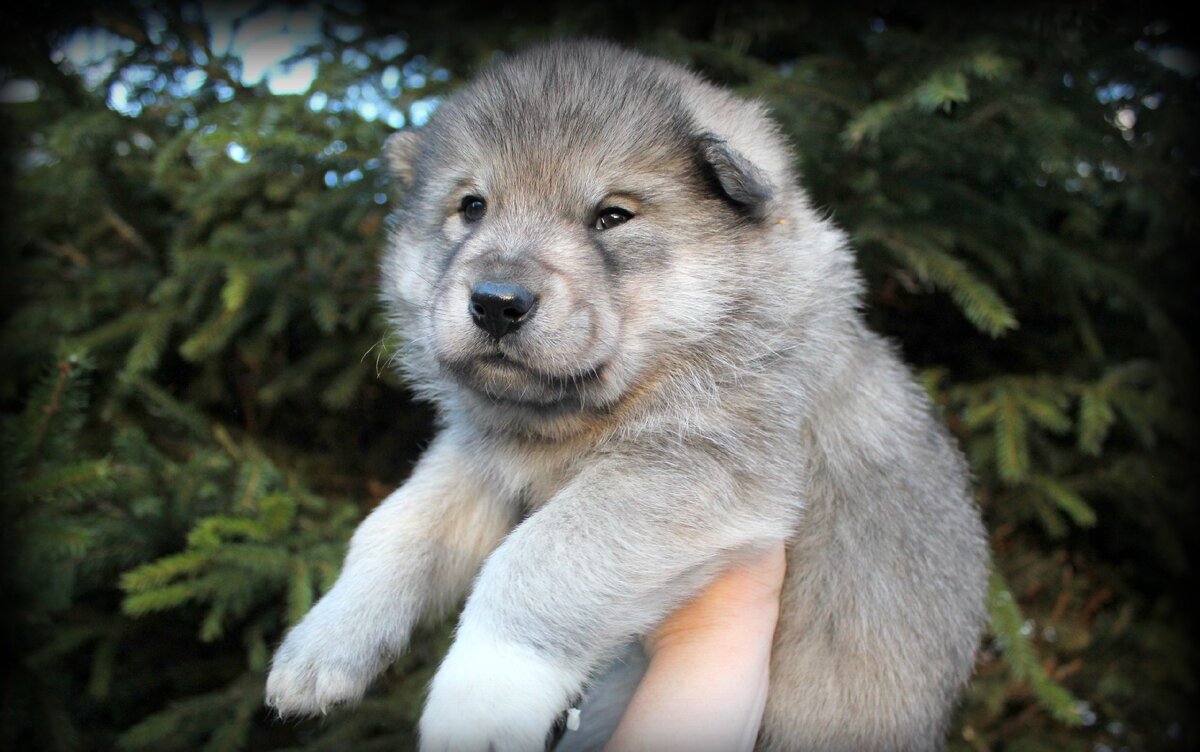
pixel 706 685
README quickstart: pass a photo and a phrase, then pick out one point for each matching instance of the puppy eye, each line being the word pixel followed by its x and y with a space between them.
pixel 611 217
pixel 473 208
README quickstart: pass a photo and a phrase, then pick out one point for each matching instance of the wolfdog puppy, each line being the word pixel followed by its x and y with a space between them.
pixel 648 357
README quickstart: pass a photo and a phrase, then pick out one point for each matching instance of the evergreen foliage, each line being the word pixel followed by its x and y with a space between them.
pixel 198 404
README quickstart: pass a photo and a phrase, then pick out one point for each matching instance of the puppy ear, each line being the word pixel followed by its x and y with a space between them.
pixel 743 184
pixel 399 151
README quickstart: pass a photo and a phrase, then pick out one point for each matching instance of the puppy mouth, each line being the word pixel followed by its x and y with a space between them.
pixel 504 379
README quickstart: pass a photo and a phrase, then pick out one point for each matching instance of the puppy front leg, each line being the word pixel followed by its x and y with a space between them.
pixel 416 552
pixel 604 561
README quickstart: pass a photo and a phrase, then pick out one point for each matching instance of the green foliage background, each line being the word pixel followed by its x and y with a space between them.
pixel 198 409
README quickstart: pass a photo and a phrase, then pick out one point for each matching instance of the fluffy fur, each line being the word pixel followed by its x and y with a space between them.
pixel 694 383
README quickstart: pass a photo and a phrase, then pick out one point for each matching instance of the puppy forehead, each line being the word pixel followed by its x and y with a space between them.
pixel 552 119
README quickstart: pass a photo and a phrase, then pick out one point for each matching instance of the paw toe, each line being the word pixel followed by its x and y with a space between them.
pixel 311 689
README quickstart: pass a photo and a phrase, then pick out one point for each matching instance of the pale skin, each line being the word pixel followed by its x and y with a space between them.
pixel 706 686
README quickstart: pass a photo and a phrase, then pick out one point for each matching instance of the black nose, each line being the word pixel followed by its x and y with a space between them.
pixel 498 308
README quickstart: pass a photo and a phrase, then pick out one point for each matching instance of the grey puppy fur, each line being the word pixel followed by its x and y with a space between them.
pixel 649 361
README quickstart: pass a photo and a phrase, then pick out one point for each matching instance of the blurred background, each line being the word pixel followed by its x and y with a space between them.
pixel 197 393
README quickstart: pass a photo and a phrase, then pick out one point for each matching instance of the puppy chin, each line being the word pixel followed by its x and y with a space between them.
pixel 503 378
pixel 539 369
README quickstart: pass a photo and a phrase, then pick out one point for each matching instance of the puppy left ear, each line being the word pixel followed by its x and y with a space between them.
pixel 744 185
pixel 399 151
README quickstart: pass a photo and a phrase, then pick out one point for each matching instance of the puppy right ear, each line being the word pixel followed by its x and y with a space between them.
pixel 400 150
pixel 744 185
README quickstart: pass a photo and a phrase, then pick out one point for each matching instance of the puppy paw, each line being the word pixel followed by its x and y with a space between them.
pixel 491 695
pixel 322 664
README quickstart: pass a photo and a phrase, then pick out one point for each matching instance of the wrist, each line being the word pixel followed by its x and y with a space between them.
pixel 706 686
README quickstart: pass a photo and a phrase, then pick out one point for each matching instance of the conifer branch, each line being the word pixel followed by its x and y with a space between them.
pixel 64 368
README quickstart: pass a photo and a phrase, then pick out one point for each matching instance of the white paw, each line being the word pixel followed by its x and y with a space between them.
pixel 324 661
pixel 494 696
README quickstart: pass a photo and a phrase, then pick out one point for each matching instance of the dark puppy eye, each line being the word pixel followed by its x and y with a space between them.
pixel 611 217
pixel 473 208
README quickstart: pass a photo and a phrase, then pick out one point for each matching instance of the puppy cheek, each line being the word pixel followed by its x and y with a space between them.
pixel 450 325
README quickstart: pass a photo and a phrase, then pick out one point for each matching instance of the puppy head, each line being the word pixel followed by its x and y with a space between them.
pixel 574 220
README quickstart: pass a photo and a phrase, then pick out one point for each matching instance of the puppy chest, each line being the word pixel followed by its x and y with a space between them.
pixel 532 476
